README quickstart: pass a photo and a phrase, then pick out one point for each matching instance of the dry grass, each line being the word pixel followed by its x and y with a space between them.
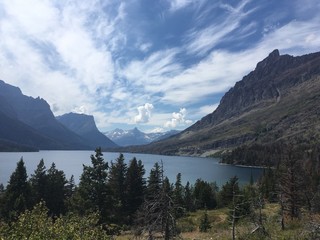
pixel 297 229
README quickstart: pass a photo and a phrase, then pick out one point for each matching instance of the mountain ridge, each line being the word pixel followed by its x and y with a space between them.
pixel 136 137
pixel 30 122
pixel 277 101
pixel 85 126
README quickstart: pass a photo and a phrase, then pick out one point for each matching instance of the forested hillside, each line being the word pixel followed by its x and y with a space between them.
pixel 117 199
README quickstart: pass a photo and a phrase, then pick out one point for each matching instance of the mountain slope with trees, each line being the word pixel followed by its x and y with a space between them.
pixel 278 101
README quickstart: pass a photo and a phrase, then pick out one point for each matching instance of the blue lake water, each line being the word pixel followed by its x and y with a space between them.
pixel 71 162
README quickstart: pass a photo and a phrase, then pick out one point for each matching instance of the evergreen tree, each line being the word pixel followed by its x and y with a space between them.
pixel 56 191
pixel 291 181
pixel 70 189
pixel 154 181
pixel 204 194
pixel 188 198
pixel 178 196
pixel 17 197
pixel 117 179
pixel 135 187
pixel 228 190
pixel 157 212
pixel 38 182
pixel 2 194
pixel 204 222
pixel 93 193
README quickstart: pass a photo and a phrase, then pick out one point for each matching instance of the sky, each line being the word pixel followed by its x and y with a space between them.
pixel 152 64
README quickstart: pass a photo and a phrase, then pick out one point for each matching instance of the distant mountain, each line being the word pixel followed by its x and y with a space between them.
pixel 278 101
pixel 136 137
pixel 29 121
pixel 85 126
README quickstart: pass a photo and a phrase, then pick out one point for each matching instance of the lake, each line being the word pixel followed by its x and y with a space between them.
pixel 71 162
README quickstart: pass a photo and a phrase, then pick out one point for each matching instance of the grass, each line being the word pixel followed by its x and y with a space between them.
pixel 221 228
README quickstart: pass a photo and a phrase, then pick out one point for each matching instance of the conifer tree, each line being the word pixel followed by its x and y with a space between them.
pixel 154 181
pixel 117 179
pixel 135 187
pixel 204 222
pixel 38 182
pixel 178 196
pixel 17 197
pixel 55 191
pixel 188 198
pixel 157 212
pixel 93 192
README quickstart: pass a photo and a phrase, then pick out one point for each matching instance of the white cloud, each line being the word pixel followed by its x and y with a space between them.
pixel 207 109
pixel 178 119
pixel 51 49
pixel 144 113
pixel 199 42
pixel 156 130
pixel 145 47
pixel 80 109
pixel 178 4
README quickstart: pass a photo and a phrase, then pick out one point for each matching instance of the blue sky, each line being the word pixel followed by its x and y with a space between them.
pixel 156 65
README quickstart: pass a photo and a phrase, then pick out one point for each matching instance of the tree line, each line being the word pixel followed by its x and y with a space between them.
pixel 117 196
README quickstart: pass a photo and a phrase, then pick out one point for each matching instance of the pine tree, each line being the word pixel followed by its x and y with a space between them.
pixel 154 181
pixel 17 197
pixel 38 182
pixel 55 191
pixel 291 181
pixel 188 198
pixel 135 187
pixel 157 212
pixel 93 193
pixel 178 196
pixel 204 194
pixel 204 222
pixel 117 179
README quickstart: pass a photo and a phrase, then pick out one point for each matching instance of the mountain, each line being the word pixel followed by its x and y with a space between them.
pixel 278 101
pixel 85 126
pixel 136 137
pixel 29 121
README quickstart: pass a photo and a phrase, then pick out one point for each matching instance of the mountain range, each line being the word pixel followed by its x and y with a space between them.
pixel 27 123
pixel 278 101
pixel 136 137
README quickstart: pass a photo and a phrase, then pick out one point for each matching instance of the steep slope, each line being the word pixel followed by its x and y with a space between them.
pixel 15 134
pixel 279 100
pixel 85 126
pixel 36 114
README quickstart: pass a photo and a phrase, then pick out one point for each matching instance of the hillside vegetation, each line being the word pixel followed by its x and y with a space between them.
pixel 277 102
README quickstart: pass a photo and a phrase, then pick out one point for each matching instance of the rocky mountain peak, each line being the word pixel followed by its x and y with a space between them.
pixel 263 86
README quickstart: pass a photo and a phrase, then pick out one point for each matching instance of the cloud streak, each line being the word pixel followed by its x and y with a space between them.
pixel 106 58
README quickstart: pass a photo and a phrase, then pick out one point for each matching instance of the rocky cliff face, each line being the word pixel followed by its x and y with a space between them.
pixel 279 100
pixel 85 126
pixel 273 77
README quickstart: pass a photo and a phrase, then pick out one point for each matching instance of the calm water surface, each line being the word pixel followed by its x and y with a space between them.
pixel 71 162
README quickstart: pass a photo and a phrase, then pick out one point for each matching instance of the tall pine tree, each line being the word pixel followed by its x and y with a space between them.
pixel 135 187
pixel 94 193
pixel 117 179
pixel 17 196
